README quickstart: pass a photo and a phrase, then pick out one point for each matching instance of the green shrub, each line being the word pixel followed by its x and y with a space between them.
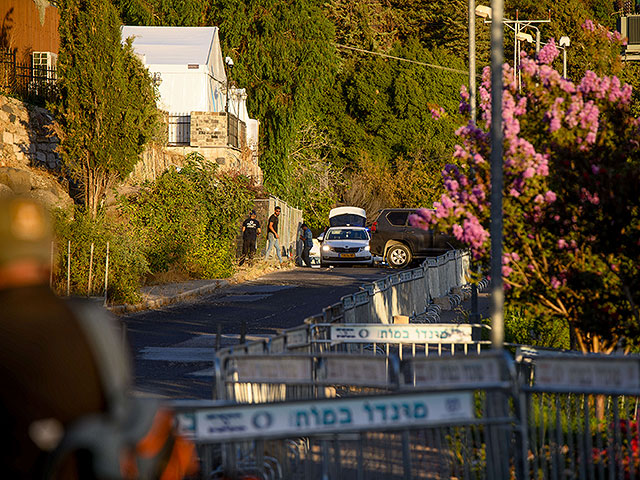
pixel 525 329
pixel 189 218
pixel 127 264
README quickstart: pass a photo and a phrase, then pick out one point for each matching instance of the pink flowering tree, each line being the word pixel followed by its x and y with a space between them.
pixel 570 201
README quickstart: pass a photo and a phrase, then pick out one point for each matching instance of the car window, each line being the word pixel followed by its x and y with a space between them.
pixel 347 219
pixel 347 234
pixel 397 219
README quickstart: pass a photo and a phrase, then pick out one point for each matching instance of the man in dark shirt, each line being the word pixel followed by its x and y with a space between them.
pixel 272 235
pixel 250 232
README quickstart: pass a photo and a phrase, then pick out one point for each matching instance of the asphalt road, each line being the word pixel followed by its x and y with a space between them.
pixel 173 348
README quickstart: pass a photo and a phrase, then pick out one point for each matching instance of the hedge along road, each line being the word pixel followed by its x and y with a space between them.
pixel 173 347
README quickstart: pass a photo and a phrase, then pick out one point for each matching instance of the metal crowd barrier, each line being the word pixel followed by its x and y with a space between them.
pixel 402 339
pixel 269 378
pixel 548 415
pixel 426 339
pixel 448 418
pixel 580 414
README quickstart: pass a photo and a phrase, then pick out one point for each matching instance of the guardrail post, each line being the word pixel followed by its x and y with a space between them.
pixel 406 454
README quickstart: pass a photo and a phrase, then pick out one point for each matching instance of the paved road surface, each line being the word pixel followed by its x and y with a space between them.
pixel 174 347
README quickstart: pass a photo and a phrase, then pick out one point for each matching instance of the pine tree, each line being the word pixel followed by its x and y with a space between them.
pixel 107 104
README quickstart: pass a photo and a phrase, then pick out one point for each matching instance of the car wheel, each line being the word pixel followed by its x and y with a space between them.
pixel 399 256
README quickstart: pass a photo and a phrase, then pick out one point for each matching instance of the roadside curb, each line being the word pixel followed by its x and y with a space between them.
pixel 168 300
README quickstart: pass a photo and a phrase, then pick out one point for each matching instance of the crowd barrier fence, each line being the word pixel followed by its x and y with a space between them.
pixel 544 415
pixel 412 427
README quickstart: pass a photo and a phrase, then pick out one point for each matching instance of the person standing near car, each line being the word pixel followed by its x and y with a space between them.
pixel 250 231
pixel 307 244
pixel 272 234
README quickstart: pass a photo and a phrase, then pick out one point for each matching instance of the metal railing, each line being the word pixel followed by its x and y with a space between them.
pixel 32 84
pixel 410 428
pixel 179 129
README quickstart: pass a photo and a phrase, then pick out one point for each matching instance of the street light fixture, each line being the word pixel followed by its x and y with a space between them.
pixel 483 11
pixel 564 42
pixel 229 63
pixel 517 26
pixel 524 37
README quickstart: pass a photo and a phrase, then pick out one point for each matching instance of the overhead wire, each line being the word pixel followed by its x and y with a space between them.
pixel 361 50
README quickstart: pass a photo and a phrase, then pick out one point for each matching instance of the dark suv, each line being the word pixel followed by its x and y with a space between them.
pixel 398 242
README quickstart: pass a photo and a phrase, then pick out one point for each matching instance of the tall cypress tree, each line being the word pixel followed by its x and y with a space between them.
pixel 107 105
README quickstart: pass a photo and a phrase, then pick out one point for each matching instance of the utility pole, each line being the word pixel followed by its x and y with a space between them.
pixel 495 231
pixel 472 59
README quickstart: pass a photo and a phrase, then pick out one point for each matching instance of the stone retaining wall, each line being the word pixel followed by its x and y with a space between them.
pixel 28 139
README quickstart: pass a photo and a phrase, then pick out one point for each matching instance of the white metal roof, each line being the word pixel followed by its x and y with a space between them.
pixel 172 45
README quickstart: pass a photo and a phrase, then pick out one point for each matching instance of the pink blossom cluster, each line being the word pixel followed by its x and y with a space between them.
pixel 573 113
pixel 614 37
pixel 548 53
pixel 507 259
pixel 572 106
pixel 437 112
pixel 609 88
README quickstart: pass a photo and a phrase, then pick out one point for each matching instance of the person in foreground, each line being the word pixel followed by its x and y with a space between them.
pixel 66 409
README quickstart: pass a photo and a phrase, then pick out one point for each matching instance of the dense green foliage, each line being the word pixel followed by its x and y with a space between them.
pixel 188 219
pixel 339 126
pixel 161 12
pixel 284 56
pixel 522 328
pixel 184 223
pixel 107 104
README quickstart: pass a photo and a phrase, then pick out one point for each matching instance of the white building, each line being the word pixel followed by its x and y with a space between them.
pixel 187 63
pixel 189 70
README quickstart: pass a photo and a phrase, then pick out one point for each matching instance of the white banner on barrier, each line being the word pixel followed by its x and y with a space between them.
pixel 449 372
pixel 326 416
pixel 586 373
pixel 273 369
pixel 298 337
pixel 276 344
pixel 423 333
pixel 372 371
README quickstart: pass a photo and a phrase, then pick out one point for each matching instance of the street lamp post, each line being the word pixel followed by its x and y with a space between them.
pixel 229 62
pixel 472 60
pixel 495 230
pixel 564 43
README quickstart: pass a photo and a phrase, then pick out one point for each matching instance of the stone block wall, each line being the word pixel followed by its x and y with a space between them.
pixel 209 138
pixel 153 162
pixel 27 136
pixel 208 129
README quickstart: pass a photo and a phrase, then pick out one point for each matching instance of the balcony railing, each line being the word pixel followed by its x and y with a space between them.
pixel 36 85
